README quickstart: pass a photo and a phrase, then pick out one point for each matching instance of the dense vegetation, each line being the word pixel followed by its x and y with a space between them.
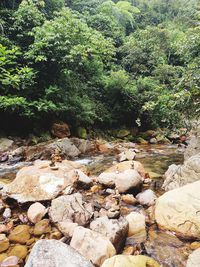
pixel 99 63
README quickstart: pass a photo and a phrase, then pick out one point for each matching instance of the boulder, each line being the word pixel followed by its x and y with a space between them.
pixel 194 259
pixel 67 228
pixel 51 253
pixel 130 261
pixel 123 133
pixel 39 182
pixel 83 145
pixel 178 211
pixel 127 155
pixel 71 207
pixel 92 245
pixel 136 228
pixel 123 181
pixel 194 145
pixel 80 177
pixel 20 251
pixel 60 129
pixel 20 234
pixel 42 227
pixel 179 175
pixel 4 243
pixel 115 230
pixel 82 132
pixel 5 144
pixel 146 198
pixel 36 212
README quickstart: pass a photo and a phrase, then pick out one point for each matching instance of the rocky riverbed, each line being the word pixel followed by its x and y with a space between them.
pixel 73 202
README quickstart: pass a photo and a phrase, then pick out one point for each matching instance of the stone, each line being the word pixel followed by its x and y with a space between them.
pixel 36 212
pixel 19 251
pixel 71 207
pixel 82 133
pixel 194 144
pixel 115 230
pixel 194 259
pixel 178 211
pixel 123 133
pixel 153 141
pixel 4 243
pixel 81 177
pixel 180 175
pixel 127 155
pixel 51 253
pixel 39 182
pixel 5 144
pixel 123 181
pixel 60 129
pixel 141 141
pixel 130 261
pixel 11 261
pixel 92 245
pixel 136 228
pixel 20 234
pixel 129 199
pixel 7 213
pixel 83 145
pixel 146 198
pixel 67 228
pixel 42 227
pixel 3 256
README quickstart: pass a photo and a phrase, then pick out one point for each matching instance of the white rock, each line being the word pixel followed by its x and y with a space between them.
pixel 147 197
pixel 36 212
pixel 194 259
pixel 7 213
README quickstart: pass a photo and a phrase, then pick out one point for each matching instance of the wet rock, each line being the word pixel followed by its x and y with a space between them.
pixel 179 175
pixel 5 144
pixel 20 234
pixel 11 261
pixel 36 212
pixel 40 182
pixel 136 228
pixel 194 259
pixel 7 213
pixel 92 245
pixel 3 256
pixel 60 129
pixel 71 207
pixel 4 243
pixel 126 155
pixel 19 251
pixel 67 228
pixel 194 145
pixel 115 230
pixel 178 211
pixel 50 253
pixel 130 261
pixel 146 198
pixel 129 199
pixel 42 227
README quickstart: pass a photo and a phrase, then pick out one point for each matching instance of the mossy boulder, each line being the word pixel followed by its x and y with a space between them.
pixel 82 133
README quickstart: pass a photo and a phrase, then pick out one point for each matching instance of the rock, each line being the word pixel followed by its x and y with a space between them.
pixel 137 228
pixel 51 253
pixel 123 181
pixel 194 145
pixel 84 146
pixel 147 197
pixel 11 261
pixel 129 199
pixel 105 147
pixel 141 141
pixel 67 228
pixel 123 133
pixel 194 259
pixel 42 227
pixel 19 251
pixel 130 261
pixel 4 243
pixel 179 175
pixel 5 144
pixel 178 211
pixel 115 230
pixel 36 212
pixel 39 182
pixel 82 133
pixel 153 141
pixel 127 155
pixel 92 245
pixel 20 234
pixel 71 207
pixel 7 213
pixel 79 176
pixel 3 256
pixel 60 129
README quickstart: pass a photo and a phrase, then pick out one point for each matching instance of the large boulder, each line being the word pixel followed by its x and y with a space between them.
pixel 130 261
pixel 194 259
pixel 194 145
pixel 178 211
pixel 92 245
pixel 179 175
pixel 60 129
pixel 39 182
pixel 5 144
pixel 51 253
pixel 71 207
pixel 115 230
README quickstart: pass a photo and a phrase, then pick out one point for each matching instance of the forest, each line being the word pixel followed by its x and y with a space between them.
pixel 99 63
